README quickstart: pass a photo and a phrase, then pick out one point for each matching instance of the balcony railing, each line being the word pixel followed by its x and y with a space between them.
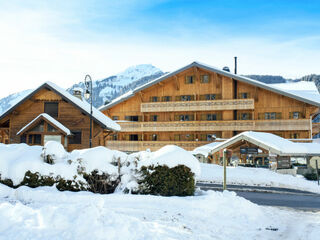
pixel 239 125
pixel 134 146
pixel 233 104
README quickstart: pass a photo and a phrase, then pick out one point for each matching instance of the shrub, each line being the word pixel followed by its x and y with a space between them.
pixel 165 181
pixel 101 183
pixel 311 175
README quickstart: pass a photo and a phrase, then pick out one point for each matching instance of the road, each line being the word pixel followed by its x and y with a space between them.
pixel 270 196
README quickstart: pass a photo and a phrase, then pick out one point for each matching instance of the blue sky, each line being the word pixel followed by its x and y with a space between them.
pixel 61 41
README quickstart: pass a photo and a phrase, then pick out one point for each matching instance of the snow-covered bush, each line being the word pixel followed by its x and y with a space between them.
pixel 92 169
pixel 169 171
pixel 165 181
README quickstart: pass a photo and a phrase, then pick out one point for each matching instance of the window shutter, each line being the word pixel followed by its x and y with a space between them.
pixel 239 116
pixel 250 116
pixel 163 99
pixel 139 137
pixel 219 116
pixel 150 99
pixel 218 96
pixel 178 98
pixel 278 115
pixel 290 115
pixel 191 117
pixel 191 97
pixel 202 97
pixel 177 137
pixel 139 118
pixel 176 117
pixel 203 117
pixel 248 95
pixel 127 118
pixel 186 80
pixel 260 116
pixel 126 137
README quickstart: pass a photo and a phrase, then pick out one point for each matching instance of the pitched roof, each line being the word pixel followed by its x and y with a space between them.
pixel 311 99
pixel 50 120
pixel 84 106
pixel 272 143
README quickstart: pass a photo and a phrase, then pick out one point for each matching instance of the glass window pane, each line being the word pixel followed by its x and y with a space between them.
pixel 51 128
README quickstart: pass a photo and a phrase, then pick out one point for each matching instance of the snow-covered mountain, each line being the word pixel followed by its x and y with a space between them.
pixel 105 89
pixel 109 88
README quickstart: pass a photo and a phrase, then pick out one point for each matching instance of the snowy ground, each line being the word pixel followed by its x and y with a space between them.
pixel 44 213
pixel 256 176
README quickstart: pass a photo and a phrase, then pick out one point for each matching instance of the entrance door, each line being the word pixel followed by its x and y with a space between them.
pixel 56 138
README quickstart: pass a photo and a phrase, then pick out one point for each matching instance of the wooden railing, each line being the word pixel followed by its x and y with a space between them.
pixel 134 146
pixel 233 104
pixel 240 125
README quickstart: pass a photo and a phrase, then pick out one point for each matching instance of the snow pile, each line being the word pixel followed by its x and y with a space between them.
pixel 44 213
pixel 255 176
pixel 17 159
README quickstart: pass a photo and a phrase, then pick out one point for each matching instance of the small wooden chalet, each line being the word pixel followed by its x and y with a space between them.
pixel 49 113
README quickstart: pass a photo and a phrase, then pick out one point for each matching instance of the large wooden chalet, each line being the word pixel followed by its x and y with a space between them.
pixel 198 104
pixel 51 113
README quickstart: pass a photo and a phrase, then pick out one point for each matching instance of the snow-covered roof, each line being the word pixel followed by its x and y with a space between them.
pixel 304 97
pixel 98 116
pixel 272 143
pixel 205 149
pixel 50 120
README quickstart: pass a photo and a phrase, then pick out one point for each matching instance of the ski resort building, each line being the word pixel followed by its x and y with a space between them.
pixel 198 104
pixel 51 113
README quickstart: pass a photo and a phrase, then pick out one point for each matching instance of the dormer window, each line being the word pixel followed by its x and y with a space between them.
pixel 190 79
pixel 51 108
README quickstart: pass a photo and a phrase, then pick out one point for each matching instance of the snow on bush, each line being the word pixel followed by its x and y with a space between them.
pixel 171 157
pixel 53 151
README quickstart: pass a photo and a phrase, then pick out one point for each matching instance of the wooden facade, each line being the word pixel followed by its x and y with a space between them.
pixel 195 103
pixel 66 113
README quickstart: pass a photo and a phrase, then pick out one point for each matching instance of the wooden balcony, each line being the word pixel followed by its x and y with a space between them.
pixel 233 104
pixel 135 146
pixel 240 125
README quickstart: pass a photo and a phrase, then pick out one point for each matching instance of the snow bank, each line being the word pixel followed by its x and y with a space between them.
pixel 255 176
pixel 44 213
pixel 17 159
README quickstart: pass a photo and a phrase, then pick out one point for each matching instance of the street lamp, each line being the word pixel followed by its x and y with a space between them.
pixel 87 95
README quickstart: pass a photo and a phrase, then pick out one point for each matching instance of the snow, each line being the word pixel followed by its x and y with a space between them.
pixel 205 149
pixel 17 159
pixel 255 176
pixel 273 143
pixel 49 119
pixel 303 89
pixel 169 155
pixel 45 213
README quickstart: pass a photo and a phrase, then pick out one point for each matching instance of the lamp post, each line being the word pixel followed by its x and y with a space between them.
pixel 87 95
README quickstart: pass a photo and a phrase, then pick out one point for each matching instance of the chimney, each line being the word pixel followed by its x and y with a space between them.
pixel 77 92
pixel 235 65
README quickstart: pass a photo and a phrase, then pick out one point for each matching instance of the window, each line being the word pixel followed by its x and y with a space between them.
pixel 190 79
pixel 211 117
pixel 154 99
pixel 115 118
pixel 132 118
pixel 154 118
pixel 295 115
pixel 51 128
pixel 76 138
pixel 115 137
pixel 23 139
pixel 185 98
pixel 133 137
pixel 208 97
pixel 184 117
pixel 38 128
pixel 205 78
pixel 51 108
pixel 166 99
pixel 244 95
pixel 295 135
pixel 244 116
pixel 37 139
pixel 154 137
pixel 272 115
